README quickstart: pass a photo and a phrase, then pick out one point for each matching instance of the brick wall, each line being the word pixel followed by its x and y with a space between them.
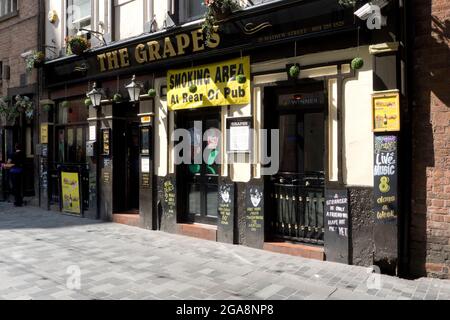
pixel 18 34
pixel 430 217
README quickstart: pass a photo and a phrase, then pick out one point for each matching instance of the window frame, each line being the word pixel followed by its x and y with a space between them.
pixel 14 9
pixel 78 21
pixel 183 16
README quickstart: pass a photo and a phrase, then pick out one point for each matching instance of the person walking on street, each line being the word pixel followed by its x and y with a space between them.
pixel 15 166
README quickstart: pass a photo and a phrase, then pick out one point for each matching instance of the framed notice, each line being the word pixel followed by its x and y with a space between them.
pixel 106 142
pixel 70 191
pixel 239 135
pixel 44 133
pixel 386 112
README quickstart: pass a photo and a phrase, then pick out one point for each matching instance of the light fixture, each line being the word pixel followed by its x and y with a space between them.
pixel 134 89
pixel 95 95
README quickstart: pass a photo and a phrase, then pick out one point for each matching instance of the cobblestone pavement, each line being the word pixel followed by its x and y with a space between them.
pixel 41 253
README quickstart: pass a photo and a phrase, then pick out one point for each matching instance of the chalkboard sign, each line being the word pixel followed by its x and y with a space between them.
pixel 337 226
pixel 225 227
pixel 385 179
pixel 169 205
pixel 254 215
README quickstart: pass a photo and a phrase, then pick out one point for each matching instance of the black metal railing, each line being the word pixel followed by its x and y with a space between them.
pixel 298 201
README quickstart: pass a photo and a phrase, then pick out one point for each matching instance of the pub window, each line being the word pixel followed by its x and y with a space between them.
pixel 191 10
pixel 71 132
pixel 78 16
pixel 7 7
pixel 1 70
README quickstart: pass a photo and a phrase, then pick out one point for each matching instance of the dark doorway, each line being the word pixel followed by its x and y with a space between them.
pixel 297 191
pixel 199 179
pixel 132 181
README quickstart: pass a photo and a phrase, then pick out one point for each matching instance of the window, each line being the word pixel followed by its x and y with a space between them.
pixel 191 10
pixel 71 132
pixel 1 70
pixel 7 7
pixel 78 16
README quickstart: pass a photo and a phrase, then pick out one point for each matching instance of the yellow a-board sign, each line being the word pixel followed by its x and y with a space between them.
pixel 221 84
pixel 70 187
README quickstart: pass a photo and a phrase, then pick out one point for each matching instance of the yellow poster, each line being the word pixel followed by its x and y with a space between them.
pixel 386 112
pixel 44 133
pixel 221 84
pixel 70 187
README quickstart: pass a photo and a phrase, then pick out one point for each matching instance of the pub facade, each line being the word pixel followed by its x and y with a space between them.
pixel 277 128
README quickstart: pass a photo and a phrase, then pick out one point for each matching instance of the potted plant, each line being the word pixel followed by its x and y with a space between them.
pixel 34 60
pixel 357 63
pixel 151 93
pixel 88 102
pixel 8 114
pixel 117 98
pixel 77 45
pixel 216 11
pixel 25 105
pixel 65 104
pixel 47 107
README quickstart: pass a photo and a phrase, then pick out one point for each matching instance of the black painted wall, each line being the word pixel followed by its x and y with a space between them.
pixel 362 225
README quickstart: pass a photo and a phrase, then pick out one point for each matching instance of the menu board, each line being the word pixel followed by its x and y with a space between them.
pixel 337 225
pixel 239 135
pixel 145 181
pixel 385 179
pixel 169 200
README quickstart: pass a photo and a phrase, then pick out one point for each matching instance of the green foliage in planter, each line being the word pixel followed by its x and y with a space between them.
pixel 193 88
pixel 65 104
pixel 7 112
pixel 294 71
pixel 241 79
pixel 357 63
pixel 77 45
pixel 26 105
pixel 34 60
pixel 117 98
pixel 88 102
pixel 151 93
pixel 47 107
pixel 216 10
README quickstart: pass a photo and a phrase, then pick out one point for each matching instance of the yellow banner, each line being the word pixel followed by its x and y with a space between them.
pixel 70 192
pixel 222 84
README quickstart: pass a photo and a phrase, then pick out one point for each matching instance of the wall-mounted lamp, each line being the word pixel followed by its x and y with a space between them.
pixel 95 95
pixel 134 89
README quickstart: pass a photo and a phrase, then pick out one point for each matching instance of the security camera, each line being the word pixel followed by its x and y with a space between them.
pixel 366 10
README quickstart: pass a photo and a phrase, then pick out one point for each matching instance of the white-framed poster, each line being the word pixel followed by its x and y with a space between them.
pixel 240 135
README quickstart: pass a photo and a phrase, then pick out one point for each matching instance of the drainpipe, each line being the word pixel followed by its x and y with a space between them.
pixel 407 35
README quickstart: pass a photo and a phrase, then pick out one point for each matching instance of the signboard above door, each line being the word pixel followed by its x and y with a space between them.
pixel 301 99
pixel 222 84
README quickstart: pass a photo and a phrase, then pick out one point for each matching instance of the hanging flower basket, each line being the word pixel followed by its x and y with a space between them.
pixel 35 60
pixel 77 45
pixel 220 11
pixel 216 11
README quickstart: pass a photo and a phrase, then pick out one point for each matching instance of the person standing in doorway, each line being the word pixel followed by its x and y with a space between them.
pixel 15 164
